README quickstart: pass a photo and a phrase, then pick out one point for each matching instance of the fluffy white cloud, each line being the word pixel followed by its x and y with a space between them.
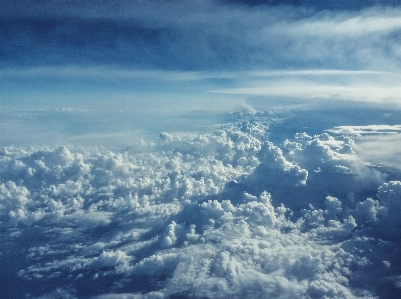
pixel 228 213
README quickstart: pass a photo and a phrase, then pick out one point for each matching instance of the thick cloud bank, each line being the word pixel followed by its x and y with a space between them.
pixel 231 214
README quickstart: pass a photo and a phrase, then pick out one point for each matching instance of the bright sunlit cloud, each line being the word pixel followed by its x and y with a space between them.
pixel 307 90
pixel 364 86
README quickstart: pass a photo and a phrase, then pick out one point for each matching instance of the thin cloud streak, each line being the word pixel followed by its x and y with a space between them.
pixel 98 72
pixel 106 72
pixel 316 91
pixel 365 86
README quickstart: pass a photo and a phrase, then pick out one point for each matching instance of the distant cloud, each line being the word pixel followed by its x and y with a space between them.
pixel 316 90
pixel 376 144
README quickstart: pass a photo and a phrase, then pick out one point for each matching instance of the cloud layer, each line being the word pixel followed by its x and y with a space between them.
pixel 223 214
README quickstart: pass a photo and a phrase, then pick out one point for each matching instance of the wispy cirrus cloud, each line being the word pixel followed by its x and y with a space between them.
pixel 203 36
pixel 235 50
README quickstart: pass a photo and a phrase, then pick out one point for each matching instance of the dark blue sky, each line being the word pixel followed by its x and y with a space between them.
pixel 194 35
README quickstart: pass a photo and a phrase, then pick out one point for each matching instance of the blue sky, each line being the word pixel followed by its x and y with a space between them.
pixel 180 57
pixel 79 52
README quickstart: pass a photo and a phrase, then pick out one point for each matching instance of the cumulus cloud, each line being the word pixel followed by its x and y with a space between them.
pixel 229 213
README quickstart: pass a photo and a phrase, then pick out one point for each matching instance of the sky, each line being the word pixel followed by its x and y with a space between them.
pixel 200 149
pixel 130 52
pixel 213 57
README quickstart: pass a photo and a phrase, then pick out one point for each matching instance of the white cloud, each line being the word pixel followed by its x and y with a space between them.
pixel 315 90
pixel 228 213
pixel 375 144
pixel 110 259
pixel 367 130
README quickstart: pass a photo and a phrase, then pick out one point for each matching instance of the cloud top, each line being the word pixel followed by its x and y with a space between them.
pixel 220 214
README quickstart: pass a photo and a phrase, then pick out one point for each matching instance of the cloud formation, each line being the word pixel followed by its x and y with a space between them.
pixel 228 213
pixel 299 202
